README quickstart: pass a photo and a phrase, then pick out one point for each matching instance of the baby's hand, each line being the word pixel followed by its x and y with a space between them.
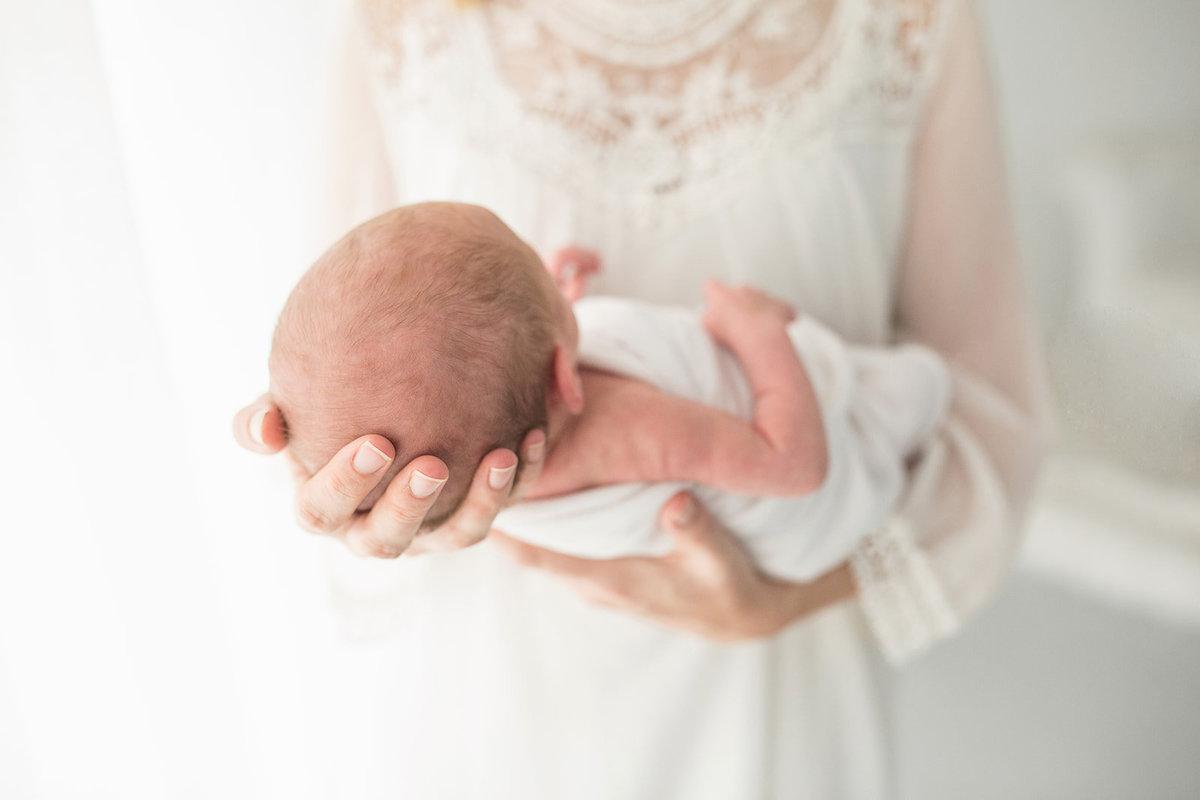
pixel 734 312
pixel 571 267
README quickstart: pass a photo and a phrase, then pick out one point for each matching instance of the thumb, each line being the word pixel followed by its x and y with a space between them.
pixel 259 426
pixel 690 525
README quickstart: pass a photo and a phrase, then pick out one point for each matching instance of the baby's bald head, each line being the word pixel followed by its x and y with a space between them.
pixel 430 324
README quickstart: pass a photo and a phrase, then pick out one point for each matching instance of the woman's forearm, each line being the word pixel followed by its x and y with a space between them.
pixel 787 602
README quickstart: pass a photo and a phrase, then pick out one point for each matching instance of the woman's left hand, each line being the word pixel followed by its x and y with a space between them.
pixel 707 584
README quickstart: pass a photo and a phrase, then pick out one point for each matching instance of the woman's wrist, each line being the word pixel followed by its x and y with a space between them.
pixel 788 602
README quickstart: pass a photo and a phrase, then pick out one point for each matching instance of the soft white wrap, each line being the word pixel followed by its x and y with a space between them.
pixel 878 406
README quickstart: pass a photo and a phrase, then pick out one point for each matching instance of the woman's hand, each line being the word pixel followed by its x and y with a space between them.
pixel 707 584
pixel 327 502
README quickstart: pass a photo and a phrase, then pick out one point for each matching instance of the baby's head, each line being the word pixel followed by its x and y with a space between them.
pixel 432 324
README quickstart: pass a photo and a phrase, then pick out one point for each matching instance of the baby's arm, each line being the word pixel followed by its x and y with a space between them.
pixel 782 450
pixel 632 431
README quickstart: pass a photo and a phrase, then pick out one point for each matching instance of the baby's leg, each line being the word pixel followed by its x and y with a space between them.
pixel 791 451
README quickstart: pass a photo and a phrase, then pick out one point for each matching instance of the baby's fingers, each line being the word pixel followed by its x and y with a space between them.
pixel 571 268
pixel 326 502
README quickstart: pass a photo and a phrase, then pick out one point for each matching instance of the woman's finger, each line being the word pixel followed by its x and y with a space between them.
pixel 693 529
pixel 610 581
pixel 389 528
pixel 712 554
pixel 489 493
pixel 630 584
pixel 299 474
pixel 259 426
pixel 472 523
pixel 702 585
pixel 690 525
pixel 326 502
pixel 532 457
pixel 528 555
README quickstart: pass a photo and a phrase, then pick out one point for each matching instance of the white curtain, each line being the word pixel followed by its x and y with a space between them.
pixel 163 631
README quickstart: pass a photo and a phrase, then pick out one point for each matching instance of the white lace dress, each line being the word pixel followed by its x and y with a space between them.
pixel 841 154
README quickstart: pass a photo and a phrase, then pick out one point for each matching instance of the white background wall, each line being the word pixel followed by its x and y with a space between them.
pixel 1057 690
pixel 1071 73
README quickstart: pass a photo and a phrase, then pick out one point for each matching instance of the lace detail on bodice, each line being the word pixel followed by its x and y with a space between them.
pixel 648 35
pixel 669 104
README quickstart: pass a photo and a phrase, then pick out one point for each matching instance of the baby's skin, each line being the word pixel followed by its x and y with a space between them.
pixel 329 354
pixel 631 431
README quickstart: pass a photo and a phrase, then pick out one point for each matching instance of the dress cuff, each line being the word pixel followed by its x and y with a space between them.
pixel 900 594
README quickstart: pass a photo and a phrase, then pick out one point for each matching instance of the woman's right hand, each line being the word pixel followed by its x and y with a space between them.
pixel 327 502
pixel 708 584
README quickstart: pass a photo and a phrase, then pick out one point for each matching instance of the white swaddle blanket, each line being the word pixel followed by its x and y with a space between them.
pixel 878 405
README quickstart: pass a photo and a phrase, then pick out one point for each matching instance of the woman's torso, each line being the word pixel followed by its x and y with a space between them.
pixel 756 142
pixel 760 142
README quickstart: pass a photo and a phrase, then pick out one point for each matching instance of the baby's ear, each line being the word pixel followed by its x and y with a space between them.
pixel 566 380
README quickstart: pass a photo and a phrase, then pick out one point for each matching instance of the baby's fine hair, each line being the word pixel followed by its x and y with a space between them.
pixel 427 324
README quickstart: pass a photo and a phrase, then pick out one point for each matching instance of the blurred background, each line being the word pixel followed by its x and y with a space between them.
pixel 163 628
pixel 1101 698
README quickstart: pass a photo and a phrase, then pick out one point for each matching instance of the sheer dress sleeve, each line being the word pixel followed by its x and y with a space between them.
pixel 954 531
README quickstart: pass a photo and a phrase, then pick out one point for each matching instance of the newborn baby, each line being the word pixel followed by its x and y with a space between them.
pixel 437 327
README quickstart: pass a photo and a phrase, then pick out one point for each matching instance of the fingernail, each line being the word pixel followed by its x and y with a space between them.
pixel 256 425
pixel 422 486
pixel 369 459
pixel 538 448
pixel 684 513
pixel 498 477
